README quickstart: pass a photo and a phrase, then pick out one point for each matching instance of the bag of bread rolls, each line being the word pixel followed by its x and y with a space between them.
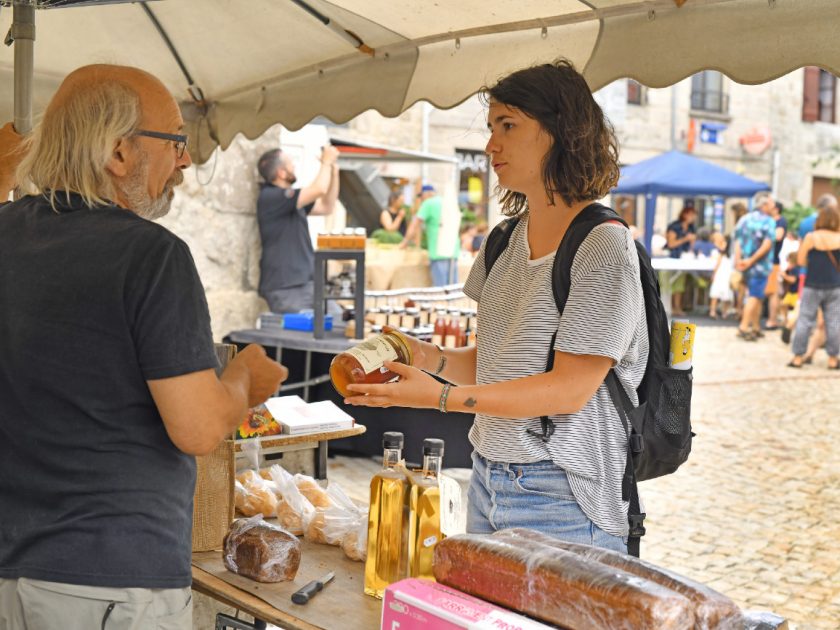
pixel 294 511
pixel 254 495
pixel 329 524
pixel 310 488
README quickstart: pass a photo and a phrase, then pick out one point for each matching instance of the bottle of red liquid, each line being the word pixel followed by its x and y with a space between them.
pixel 440 329
pixel 453 331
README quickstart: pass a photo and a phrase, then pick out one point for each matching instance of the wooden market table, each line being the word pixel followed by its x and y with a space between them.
pixel 342 603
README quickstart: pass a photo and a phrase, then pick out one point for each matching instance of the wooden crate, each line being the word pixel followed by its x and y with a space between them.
pixel 213 500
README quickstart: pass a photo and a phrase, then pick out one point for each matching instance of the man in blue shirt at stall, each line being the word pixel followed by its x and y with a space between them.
pixel 755 235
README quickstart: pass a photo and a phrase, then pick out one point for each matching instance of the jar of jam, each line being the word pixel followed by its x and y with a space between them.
pixel 364 363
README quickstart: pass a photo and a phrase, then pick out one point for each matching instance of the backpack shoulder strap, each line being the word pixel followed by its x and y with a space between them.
pixel 587 219
pixel 497 242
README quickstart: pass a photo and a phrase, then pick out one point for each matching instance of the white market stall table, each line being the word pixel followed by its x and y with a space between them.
pixel 674 268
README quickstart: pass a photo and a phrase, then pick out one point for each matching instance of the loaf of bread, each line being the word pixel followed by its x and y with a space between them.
pixel 311 490
pixel 261 551
pixel 713 610
pixel 557 586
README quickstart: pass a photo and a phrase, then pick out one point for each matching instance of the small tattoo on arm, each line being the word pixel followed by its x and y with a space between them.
pixel 470 402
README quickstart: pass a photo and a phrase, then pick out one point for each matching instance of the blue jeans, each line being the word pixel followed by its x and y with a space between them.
pixel 444 271
pixel 536 496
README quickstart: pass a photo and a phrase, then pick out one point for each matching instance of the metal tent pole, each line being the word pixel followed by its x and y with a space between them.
pixel 23 33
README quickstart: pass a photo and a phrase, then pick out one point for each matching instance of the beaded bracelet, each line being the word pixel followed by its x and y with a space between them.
pixel 441 362
pixel 444 394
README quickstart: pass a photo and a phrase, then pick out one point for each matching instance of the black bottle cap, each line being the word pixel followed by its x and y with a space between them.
pixel 392 439
pixel 433 446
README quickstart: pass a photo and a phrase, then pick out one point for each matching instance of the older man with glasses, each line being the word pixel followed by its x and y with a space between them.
pixel 107 381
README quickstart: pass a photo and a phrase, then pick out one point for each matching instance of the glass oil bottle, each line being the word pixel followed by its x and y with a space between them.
pixel 387 557
pixel 424 516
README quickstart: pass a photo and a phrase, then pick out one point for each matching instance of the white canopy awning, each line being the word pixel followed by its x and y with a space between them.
pixel 260 62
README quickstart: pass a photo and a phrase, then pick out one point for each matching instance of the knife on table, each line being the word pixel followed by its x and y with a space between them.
pixel 310 590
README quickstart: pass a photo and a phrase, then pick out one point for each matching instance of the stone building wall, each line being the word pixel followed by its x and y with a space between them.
pixel 646 130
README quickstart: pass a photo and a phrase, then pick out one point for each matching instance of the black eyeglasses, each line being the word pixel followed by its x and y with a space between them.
pixel 180 141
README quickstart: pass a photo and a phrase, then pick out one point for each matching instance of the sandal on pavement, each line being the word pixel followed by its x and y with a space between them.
pixel 808 361
pixel 836 366
pixel 746 335
pixel 786 335
pixel 794 365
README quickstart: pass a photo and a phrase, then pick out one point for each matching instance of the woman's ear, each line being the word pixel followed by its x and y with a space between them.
pixel 118 163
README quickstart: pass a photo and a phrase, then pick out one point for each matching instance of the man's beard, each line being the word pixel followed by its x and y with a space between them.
pixel 291 179
pixel 137 195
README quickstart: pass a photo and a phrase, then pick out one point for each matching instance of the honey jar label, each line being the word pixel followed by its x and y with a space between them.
pixel 372 353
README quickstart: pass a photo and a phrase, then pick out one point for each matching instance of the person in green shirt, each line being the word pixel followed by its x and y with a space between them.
pixel 442 265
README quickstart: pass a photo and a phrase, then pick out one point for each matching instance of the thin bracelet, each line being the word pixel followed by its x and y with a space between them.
pixel 444 394
pixel 441 362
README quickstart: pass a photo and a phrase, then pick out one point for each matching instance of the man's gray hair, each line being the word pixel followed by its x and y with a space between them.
pixel 70 148
pixel 826 201
pixel 761 198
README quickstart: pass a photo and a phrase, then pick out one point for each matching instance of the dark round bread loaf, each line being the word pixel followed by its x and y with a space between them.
pixel 261 551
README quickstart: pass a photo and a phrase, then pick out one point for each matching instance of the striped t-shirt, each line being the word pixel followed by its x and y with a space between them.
pixel 604 316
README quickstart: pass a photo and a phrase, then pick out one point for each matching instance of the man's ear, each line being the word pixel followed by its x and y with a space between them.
pixel 118 163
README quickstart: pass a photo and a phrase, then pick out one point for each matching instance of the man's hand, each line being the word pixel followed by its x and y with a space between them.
pixel 265 374
pixel 329 155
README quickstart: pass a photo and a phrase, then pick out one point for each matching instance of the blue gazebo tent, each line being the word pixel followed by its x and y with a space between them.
pixel 677 173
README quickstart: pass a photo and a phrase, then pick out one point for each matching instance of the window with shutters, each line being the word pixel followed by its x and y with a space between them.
pixel 635 94
pixel 707 92
pixel 818 95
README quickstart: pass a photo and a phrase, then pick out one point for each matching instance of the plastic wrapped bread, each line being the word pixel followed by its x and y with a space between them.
pixel 254 495
pixel 309 488
pixel 261 551
pixel 713 610
pixel 340 508
pixel 294 511
pixel 557 586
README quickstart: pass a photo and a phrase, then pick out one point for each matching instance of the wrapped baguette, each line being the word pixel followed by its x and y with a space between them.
pixel 713 610
pixel 557 586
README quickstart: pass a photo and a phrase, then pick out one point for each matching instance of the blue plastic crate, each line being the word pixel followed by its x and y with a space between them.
pixel 304 321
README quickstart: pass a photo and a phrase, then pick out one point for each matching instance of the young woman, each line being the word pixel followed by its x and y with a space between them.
pixel 681 236
pixel 554 153
pixel 392 218
pixel 820 251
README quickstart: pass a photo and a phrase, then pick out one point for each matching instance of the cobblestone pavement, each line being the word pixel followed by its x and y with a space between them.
pixel 755 512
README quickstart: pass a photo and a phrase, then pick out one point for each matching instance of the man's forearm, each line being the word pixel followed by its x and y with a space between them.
pixel 326 203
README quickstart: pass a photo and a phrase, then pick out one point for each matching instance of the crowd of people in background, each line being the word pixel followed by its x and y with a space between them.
pixel 789 274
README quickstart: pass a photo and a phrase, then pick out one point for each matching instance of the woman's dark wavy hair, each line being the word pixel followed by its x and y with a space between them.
pixel 582 163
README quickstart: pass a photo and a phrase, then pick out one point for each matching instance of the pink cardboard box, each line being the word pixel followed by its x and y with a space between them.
pixel 415 604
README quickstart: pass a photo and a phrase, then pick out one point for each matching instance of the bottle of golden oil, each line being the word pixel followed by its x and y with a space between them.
pixel 424 514
pixel 387 559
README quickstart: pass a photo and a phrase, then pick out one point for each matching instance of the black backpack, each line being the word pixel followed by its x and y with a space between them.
pixel 659 429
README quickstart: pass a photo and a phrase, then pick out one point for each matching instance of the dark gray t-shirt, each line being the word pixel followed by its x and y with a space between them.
pixel 93 303
pixel 288 258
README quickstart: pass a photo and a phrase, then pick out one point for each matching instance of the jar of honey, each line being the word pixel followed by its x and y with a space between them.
pixel 364 363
